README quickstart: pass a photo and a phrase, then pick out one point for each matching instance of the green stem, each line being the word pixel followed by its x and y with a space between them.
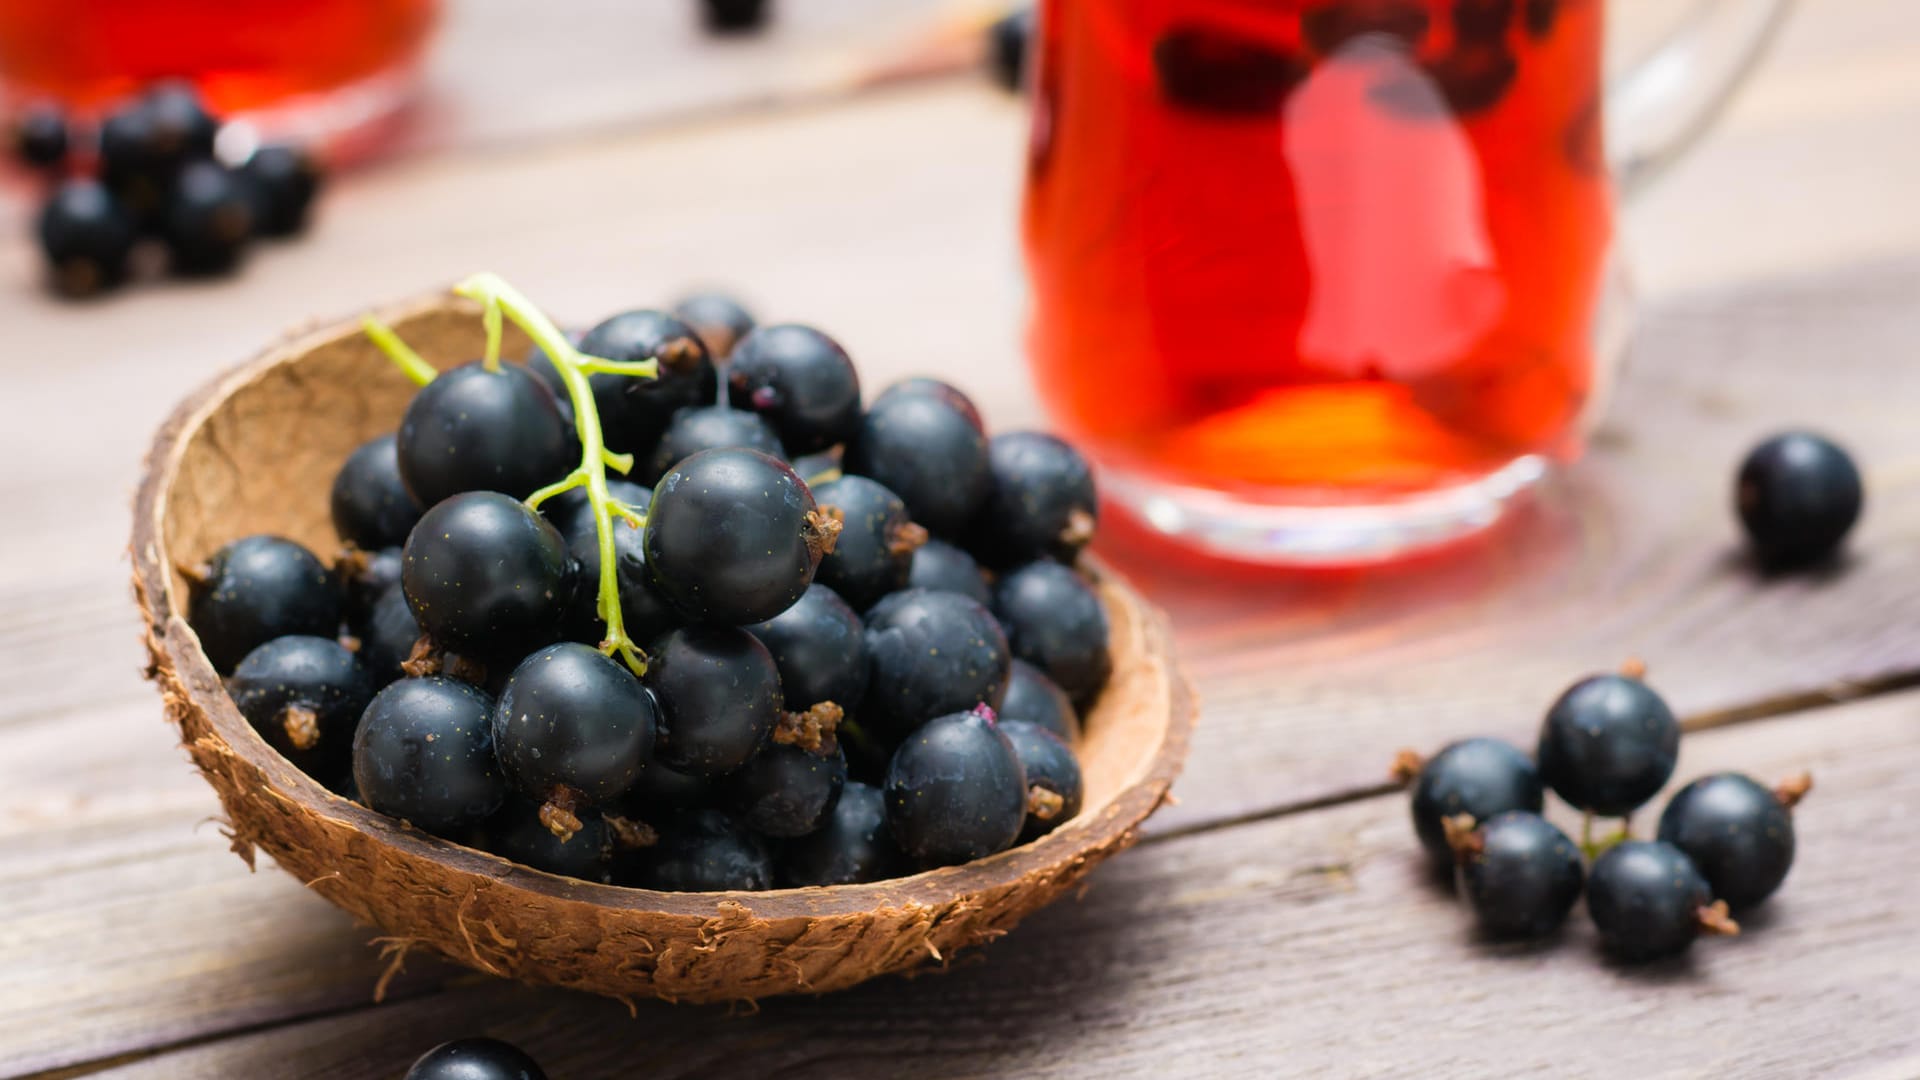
pixel 490 320
pixel 403 357
pixel 500 297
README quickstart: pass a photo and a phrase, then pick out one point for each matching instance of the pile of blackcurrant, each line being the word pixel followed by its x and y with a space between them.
pixel 1608 745
pixel 149 175
pixel 828 641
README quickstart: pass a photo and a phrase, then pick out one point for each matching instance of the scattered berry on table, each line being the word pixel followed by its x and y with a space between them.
pixel 1480 778
pixel 572 728
pixel 371 505
pixel 927 452
pixel 183 129
pixel 940 565
pixel 472 429
pixel 1608 745
pixel 1519 872
pixel 475 1059
pixel 786 791
pixel 873 554
pixel 1009 41
pixel 1738 833
pixel 1055 622
pixel 40 137
pixel 86 236
pixel 256 589
pixel 819 646
pixel 1041 505
pixel 703 851
pixel 1649 901
pixel 1054 785
pixel 635 411
pixel 851 846
pixel 800 381
pixel 1798 495
pixel 304 695
pixel 709 427
pixel 424 753
pixel 734 16
pixel 930 654
pixel 955 790
pixel 133 164
pixel 281 181
pixel 719 697
pixel 719 319
pixel 207 219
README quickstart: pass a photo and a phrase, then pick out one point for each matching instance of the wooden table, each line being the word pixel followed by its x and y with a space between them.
pixel 1275 921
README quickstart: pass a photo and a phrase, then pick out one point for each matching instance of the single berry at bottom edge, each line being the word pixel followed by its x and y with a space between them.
pixel 475 1059
pixel 1520 873
pixel 1798 496
pixel 1737 832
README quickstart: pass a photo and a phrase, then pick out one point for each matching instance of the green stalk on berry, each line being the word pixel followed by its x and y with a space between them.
pixel 499 299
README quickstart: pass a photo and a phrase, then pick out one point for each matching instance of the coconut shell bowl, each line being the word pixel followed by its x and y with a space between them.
pixel 254 451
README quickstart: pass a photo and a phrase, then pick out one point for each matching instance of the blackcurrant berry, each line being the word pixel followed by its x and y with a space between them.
pixel 1220 72
pixel 785 791
pixel 475 1059
pixel 1036 699
pixel 487 576
pixel 387 636
pixel 1798 496
pixel 1738 834
pixel 208 219
pixel 371 505
pixel 424 753
pixel 471 429
pixel 573 727
pixel 661 788
pixel 922 386
pixel 364 577
pixel 1608 744
pixel 820 648
pixel 1478 778
pixel 800 381
pixel 86 238
pixel 940 565
pixel 304 695
pixel 719 319
pixel 1520 874
pixel 734 16
pixel 1055 622
pixel 710 427
pixel 183 129
pixel 1041 505
pixel 874 552
pixel 852 846
pixel 930 654
pixel 1008 41
pixel 1649 901
pixel 643 611
pixel 635 411
pixel 517 832
pixel 955 790
pixel 704 851
pixel 282 181
pixel 719 698
pixel 1054 786
pixel 733 537
pixel 256 589
pixel 928 453
pixel 40 137
pixel 135 165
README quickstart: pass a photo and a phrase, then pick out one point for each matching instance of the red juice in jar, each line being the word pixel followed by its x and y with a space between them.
pixel 1317 252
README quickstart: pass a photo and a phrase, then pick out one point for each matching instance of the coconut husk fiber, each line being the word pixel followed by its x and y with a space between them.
pixel 255 451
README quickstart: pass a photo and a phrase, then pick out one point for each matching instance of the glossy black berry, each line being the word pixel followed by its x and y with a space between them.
pixel 851 846
pixel 1520 874
pixel 387 636
pixel 873 555
pixel 734 16
pixel 661 788
pixel 1042 503
pixel 923 386
pixel 371 505
pixel 643 611
pixel 785 791
pixel 471 429
pixel 134 164
pixel 1054 786
pixel 1036 699
pixel 719 698
pixel 1054 621
pixel 930 654
pixel 304 695
pixel 424 753
pixel 704 851
pixel 573 725
pixel 475 1059
pixel 516 832
pixel 955 790
pixel 487 576
pixel 86 237
pixel 183 129
pixel 719 319
pixel 819 645
pixel 1738 833
pixel 1608 744
pixel 1798 496
pixel 40 136
pixel 800 381
pixel 282 181
pixel 1649 901
pixel 928 453
pixel 1009 40
pixel 710 427
pixel 256 589
pixel 208 219
pixel 1218 71
pixel 364 577
pixel 733 537
pixel 635 411
pixel 939 565
pixel 1480 778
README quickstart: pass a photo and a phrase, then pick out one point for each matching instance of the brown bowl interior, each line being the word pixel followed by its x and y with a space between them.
pixel 255 451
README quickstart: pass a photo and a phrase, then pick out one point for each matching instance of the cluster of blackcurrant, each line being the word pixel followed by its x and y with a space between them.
pixel 475 1059
pixel 1608 745
pixel 151 172
pixel 841 681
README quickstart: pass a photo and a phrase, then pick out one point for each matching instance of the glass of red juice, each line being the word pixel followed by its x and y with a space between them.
pixel 319 70
pixel 1332 281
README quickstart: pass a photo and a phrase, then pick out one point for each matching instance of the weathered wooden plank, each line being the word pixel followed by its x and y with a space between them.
pixel 1308 945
